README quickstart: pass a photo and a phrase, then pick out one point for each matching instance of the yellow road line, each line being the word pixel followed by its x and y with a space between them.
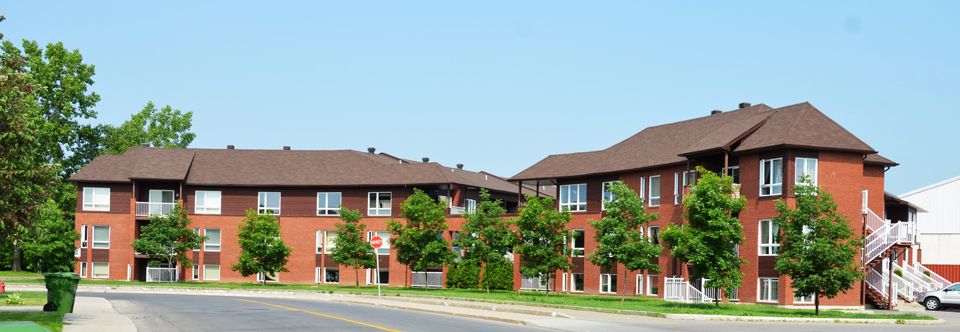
pixel 378 327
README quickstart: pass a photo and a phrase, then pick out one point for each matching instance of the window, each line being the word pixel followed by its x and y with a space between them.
pixel 207 202
pixel 83 269
pixel 454 241
pixel 101 237
pixel 328 204
pixel 771 177
pixel 573 197
pixel 379 203
pixel 197 231
pixel 655 190
pixel 211 272
pixel 96 199
pixel 676 188
pixel 268 202
pixel 83 236
pixel 331 275
pixel 608 283
pixel 213 239
pixel 329 241
pixel 769 238
pixel 608 196
pixel 769 290
pixel 734 172
pixel 577 245
pixel 653 286
pixel 689 178
pixel 101 270
pixel 576 282
pixel 319 242
pixel 733 296
pixel 802 299
pixel 654 233
pixel 638 286
pixel 565 279
pixel 382 276
pixel 641 193
pixel 385 241
pixel 264 277
pixel 471 205
pixel 196 272
pixel 806 167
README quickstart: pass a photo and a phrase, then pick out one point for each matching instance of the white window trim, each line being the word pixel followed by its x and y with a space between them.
pixel 573 283
pixel 650 234
pixel 603 194
pixel 650 285
pixel 760 286
pixel 94 235
pixel 573 243
pixel 219 240
pixel 319 238
pixel 84 237
pixel 326 198
pixel 93 204
pixel 261 278
pixel 771 185
pixel 642 193
pixel 729 171
pixel 378 211
pixel 797 299
pixel 207 208
pixel 650 185
pixel 676 188
pixel 816 169
pixel 773 235
pixel 471 205
pixel 638 285
pixel 83 269
pixel 265 208
pixel 327 244
pixel 324 276
pixel 565 279
pixel 93 268
pixel 609 277
pixel 195 272
pixel 571 205
pixel 219 272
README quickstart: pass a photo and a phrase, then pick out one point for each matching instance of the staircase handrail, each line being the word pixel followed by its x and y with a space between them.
pixel 933 276
pixel 873 221
pixel 877 242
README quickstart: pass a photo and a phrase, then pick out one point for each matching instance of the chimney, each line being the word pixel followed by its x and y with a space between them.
pixel 426 159
pixel 744 105
pixel 286 148
pixel 460 166
pixel 371 150
pixel 230 147
pixel 713 112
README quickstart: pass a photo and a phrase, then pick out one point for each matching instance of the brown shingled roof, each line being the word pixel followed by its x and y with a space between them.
pixel 754 128
pixel 229 167
pixel 877 159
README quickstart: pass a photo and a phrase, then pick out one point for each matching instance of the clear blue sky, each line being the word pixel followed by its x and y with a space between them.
pixel 499 85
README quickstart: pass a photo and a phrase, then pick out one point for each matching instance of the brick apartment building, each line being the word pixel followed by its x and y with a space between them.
pixel 765 149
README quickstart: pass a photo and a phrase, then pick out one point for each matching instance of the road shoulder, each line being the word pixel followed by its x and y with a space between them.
pixel 96 314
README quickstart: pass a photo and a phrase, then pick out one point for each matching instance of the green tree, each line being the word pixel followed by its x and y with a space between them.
pixel 713 231
pixel 818 249
pixel 542 238
pixel 486 236
pixel 620 234
pixel 419 243
pixel 168 238
pixel 48 246
pixel 166 127
pixel 351 249
pixel 262 250
pixel 26 174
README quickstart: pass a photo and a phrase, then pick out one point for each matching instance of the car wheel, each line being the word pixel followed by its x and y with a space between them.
pixel 931 303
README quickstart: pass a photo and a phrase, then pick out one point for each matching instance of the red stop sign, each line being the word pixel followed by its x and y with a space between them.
pixel 376 242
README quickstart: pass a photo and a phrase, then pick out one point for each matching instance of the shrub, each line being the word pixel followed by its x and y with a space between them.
pixel 500 276
pixel 463 274
pixel 14 299
pixel 898 273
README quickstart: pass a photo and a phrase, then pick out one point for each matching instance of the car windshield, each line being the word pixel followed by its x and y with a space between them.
pixel 953 288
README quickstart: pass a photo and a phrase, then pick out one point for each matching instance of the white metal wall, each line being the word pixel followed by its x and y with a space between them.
pixel 940 226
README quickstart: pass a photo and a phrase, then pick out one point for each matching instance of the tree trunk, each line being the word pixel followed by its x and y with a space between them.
pixel 483 267
pixel 17 263
pixel 356 278
pixel 816 303
pixel 624 283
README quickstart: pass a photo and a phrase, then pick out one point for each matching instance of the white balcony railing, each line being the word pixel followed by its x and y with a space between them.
pixel 457 210
pixel 678 290
pixel 151 209
pixel 162 274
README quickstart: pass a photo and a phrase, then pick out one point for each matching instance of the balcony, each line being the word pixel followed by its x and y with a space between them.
pixel 154 209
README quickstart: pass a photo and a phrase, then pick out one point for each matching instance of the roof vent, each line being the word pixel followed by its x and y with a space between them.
pixel 460 166
pixel 715 112
pixel 230 147
pixel 744 105
pixel 286 148
pixel 371 150
pixel 426 159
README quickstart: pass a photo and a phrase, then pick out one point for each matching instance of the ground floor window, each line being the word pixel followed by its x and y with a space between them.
pixel 196 272
pixel 768 290
pixel 733 296
pixel 653 286
pixel 564 281
pixel 331 275
pixel 802 299
pixel 638 285
pixel 576 282
pixel 382 276
pixel 608 283
pixel 101 270
pixel 211 272
pixel 268 277
pixel 83 269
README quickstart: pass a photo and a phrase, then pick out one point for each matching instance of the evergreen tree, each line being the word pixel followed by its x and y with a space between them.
pixel 419 242
pixel 262 250
pixel 168 238
pixel 486 236
pixel 351 249
pixel 709 239
pixel 818 249
pixel 542 232
pixel 620 234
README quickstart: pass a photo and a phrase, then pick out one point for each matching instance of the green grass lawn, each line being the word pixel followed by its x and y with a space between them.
pixel 635 303
pixel 19 274
pixel 49 320
pixel 29 298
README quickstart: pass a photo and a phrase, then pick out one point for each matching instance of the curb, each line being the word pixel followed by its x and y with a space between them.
pixel 758 319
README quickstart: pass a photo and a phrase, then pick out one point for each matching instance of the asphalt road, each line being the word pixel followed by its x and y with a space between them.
pixel 164 312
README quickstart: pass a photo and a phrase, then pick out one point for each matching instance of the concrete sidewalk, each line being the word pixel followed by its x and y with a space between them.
pixel 95 314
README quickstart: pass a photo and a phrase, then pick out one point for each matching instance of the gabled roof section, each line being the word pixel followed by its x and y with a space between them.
pixel 802 125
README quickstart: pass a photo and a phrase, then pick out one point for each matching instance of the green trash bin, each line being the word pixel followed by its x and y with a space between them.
pixel 61 291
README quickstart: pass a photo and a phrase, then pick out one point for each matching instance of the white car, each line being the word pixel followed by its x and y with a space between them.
pixel 948 296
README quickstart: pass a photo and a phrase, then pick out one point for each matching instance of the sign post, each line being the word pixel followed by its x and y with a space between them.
pixel 376 242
